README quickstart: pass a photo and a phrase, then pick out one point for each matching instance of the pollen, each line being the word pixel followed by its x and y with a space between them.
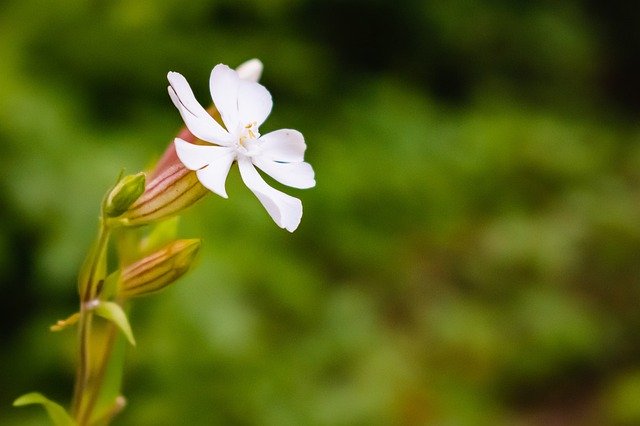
pixel 250 133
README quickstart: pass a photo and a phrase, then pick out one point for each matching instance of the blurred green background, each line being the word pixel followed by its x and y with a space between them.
pixel 470 255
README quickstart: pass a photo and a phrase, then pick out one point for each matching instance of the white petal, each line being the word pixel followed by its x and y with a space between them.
pixel 197 119
pixel 254 103
pixel 296 175
pixel 213 176
pixel 223 84
pixel 250 70
pixel 284 209
pixel 283 145
pixel 211 162
pixel 194 157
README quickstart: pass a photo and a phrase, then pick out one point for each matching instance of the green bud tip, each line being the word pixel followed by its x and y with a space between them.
pixel 124 194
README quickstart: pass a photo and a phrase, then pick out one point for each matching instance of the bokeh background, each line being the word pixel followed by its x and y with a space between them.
pixel 470 255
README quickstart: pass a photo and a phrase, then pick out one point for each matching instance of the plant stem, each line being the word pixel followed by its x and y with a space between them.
pixel 90 291
pixel 82 373
pixel 94 391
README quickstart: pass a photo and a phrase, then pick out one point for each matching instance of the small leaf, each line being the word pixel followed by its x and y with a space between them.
pixel 134 243
pixel 110 402
pixel 62 324
pixel 114 409
pixel 114 313
pixel 110 286
pixel 57 414
pixel 161 234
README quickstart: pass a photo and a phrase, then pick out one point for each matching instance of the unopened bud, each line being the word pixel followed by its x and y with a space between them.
pixel 158 270
pixel 171 188
pixel 170 192
pixel 124 194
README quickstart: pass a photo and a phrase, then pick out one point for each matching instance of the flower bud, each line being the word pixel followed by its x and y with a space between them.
pixel 172 191
pixel 124 194
pixel 171 188
pixel 158 270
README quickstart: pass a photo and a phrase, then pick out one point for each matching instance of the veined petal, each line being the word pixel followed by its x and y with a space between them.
pixel 250 70
pixel 284 209
pixel 254 103
pixel 223 84
pixel 211 162
pixel 295 175
pixel 197 119
pixel 285 145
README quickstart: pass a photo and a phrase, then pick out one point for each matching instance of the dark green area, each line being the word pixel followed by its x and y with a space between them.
pixel 470 255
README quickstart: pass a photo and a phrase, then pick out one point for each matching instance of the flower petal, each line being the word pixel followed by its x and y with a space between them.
pixel 223 84
pixel 250 70
pixel 213 176
pixel 285 145
pixel 284 209
pixel 197 119
pixel 296 175
pixel 194 157
pixel 254 103
pixel 211 162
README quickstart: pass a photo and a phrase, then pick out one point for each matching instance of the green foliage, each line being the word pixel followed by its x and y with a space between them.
pixel 57 414
pixel 113 312
pixel 108 403
pixel 469 255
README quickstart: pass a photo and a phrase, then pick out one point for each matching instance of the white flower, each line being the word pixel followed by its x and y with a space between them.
pixel 243 105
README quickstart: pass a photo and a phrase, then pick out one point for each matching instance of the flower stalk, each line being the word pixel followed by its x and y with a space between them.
pixel 89 287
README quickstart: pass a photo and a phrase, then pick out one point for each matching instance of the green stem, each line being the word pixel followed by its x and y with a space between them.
pixel 92 286
pixel 94 391
pixel 82 373
pixel 89 293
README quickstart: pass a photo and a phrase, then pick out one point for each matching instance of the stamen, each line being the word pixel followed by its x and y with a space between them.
pixel 250 132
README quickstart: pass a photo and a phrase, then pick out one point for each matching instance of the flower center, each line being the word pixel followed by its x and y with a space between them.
pixel 248 139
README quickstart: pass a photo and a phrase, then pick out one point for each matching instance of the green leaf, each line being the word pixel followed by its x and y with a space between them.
pixel 136 243
pixel 161 234
pixel 62 324
pixel 110 286
pixel 57 414
pixel 109 394
pixel 114 313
